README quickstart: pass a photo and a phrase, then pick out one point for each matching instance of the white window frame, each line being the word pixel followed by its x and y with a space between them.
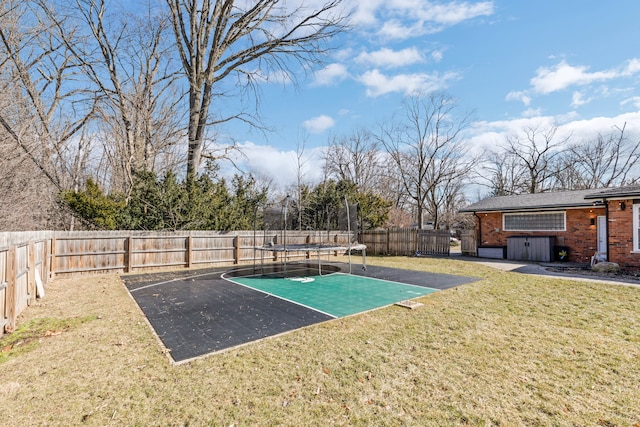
pixel 564 220
pixel 636 227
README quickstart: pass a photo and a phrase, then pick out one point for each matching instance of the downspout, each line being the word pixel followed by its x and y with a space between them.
pixel 479 231
pixel 606 218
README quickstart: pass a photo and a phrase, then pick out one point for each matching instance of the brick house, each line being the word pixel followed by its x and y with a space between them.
pixel 561 226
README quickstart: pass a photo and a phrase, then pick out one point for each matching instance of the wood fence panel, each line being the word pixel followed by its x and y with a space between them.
pixel 469 243
pixel 402 242
pixel 246 247
pixel 158 251
pixel 84 254
pixel 376 241
pixel 393 241
pixel 215 249
pixel 433 242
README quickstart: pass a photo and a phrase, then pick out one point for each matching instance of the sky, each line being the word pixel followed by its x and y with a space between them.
pixel 510 63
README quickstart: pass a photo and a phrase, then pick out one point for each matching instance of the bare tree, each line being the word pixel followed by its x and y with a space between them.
pixel 426 147
pixel 301 162
pixel 355 158
pixel 503 174
pixel 608 160
pixel 536 149
pixel 49 109
pixel 43 111
pixel 217 40
pixel 125 58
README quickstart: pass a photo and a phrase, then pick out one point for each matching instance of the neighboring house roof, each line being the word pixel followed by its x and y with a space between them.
pixel 537 201
pixel 612 193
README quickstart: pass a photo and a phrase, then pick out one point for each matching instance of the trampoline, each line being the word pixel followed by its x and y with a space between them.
pixel 345 219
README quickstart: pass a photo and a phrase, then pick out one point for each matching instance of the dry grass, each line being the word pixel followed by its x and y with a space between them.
pixel 509 349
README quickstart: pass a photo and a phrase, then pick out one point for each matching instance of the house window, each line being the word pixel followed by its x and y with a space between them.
pixel 636 228
pixel 544 221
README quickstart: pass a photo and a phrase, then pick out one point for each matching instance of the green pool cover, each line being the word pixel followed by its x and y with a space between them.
pixel 336 294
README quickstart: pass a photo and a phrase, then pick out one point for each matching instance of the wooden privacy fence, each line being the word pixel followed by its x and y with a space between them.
pixel 26 258
pixel 406 242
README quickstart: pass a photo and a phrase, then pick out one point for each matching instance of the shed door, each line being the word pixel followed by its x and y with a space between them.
pixel 602 234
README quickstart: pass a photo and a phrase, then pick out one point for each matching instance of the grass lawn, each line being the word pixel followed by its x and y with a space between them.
pixel 507 350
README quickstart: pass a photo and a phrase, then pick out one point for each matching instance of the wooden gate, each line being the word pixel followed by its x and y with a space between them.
pixel 469 243
pixel 433 242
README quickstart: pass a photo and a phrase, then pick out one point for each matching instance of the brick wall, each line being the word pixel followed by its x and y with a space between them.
pixel 621 235
pixel 580 236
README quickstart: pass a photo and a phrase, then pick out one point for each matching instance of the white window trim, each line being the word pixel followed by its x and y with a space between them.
pixel 564 220
pixel 636 225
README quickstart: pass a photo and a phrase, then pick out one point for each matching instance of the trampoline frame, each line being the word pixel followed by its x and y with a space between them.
pixel 318 248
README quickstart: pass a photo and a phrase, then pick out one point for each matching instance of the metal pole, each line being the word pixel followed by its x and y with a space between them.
pixel 284 233
pixel 348 231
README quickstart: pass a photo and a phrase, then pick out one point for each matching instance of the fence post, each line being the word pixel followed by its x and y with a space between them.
pixel 189 254
pixel 236 249
pixel 31 273
pixel 275 253
pixel 388 249
pixel 128 248
pixel 52 259
pixel 45 261
pixel 11 289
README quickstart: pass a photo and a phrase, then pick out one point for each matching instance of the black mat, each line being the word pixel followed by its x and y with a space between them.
pixel 197 312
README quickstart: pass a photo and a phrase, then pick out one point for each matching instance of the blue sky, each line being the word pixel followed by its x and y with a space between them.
pixel 511 62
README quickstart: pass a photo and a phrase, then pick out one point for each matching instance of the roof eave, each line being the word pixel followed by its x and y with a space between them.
pixel 529 208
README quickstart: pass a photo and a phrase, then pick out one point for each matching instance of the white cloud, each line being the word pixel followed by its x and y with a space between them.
pixel 379 84
pixel 318 124
pixel 398 29
pixel 488 135
pixel 388 58
pixel 519 96
pixel 402 19
pixel 578 99
pixel 532 112
pixel 364 12
pixel 278 167
pixel 437 55
pixel 454 12
pixel 563 75
pixel 634 100
pixel 331 74
pixel 632 67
